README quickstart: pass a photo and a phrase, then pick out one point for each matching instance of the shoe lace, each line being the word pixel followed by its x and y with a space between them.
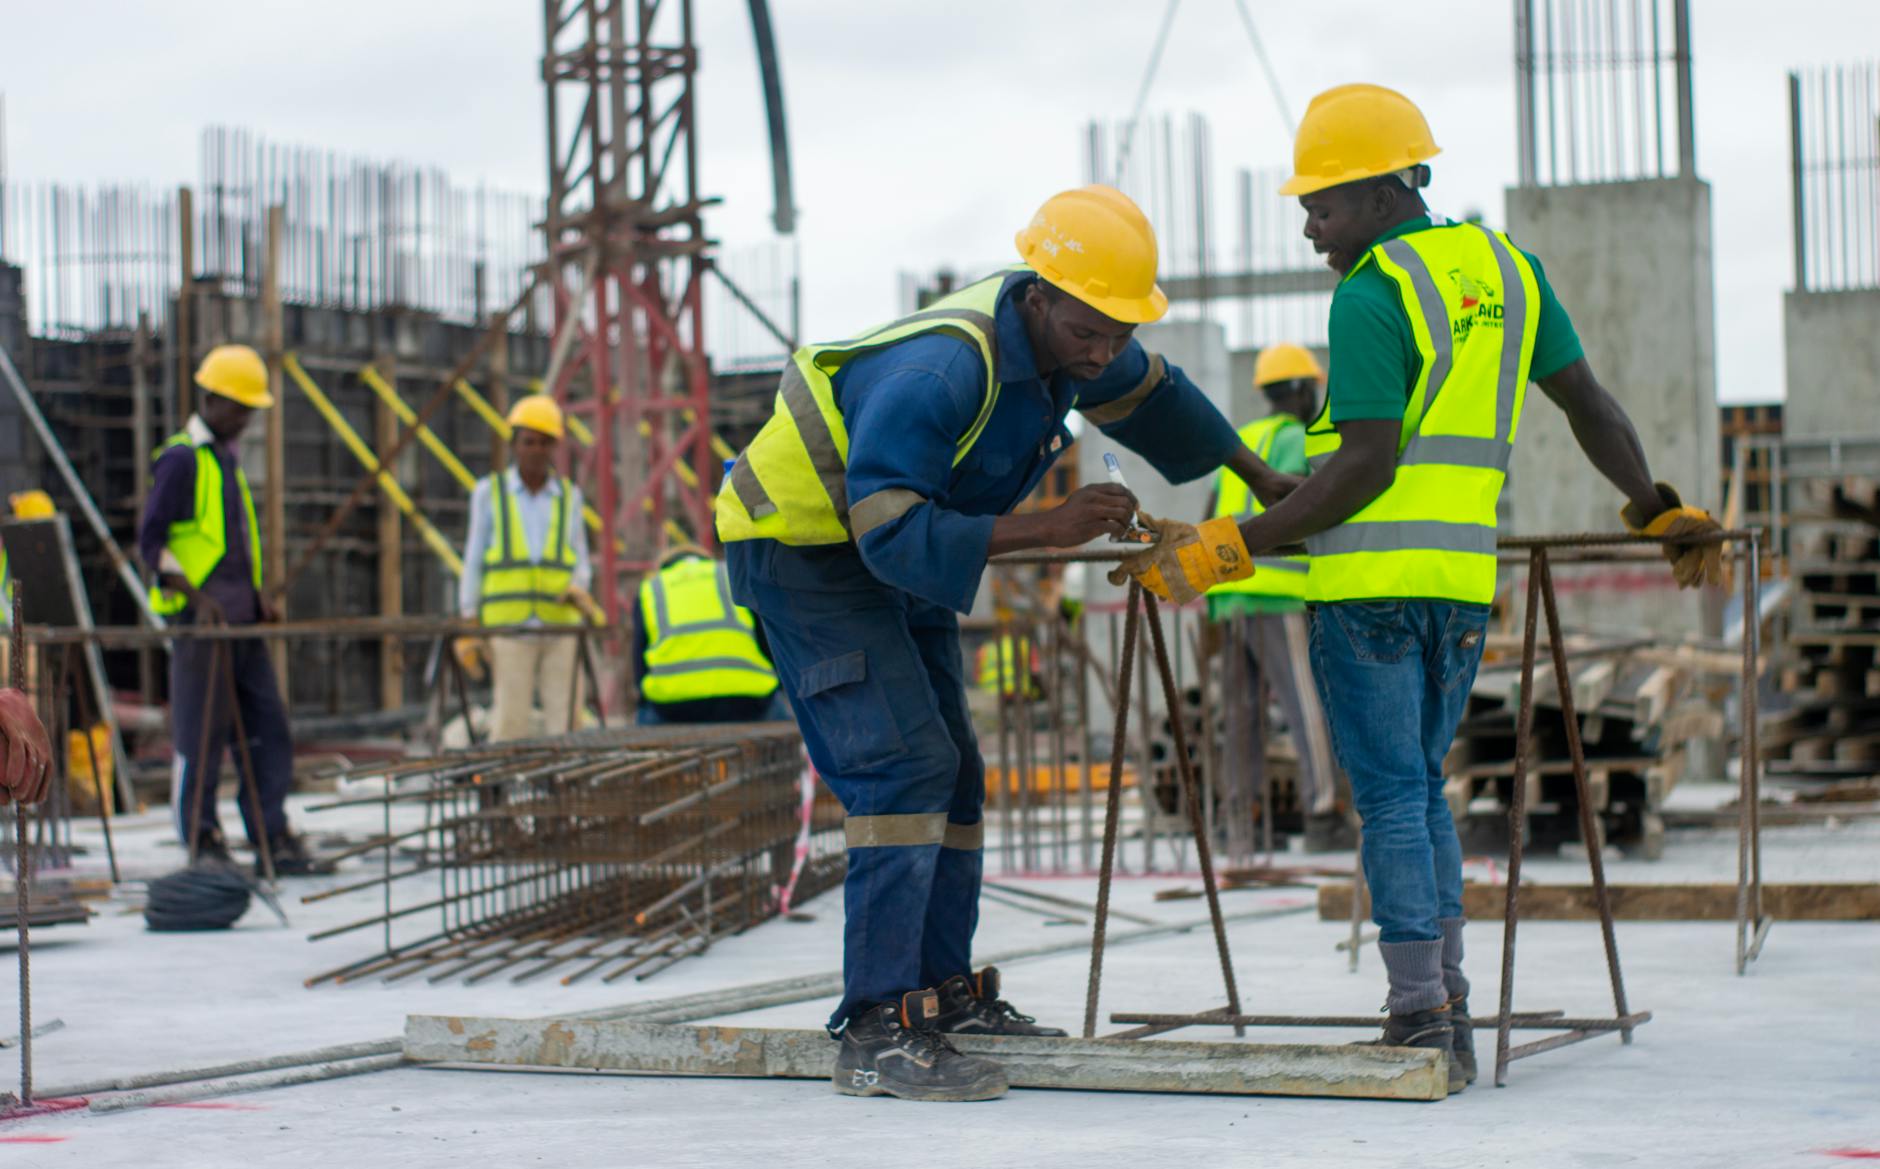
pixel 924 1044
pixel 996 1009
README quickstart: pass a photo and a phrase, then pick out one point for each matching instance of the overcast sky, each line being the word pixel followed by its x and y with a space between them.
pixel 922 132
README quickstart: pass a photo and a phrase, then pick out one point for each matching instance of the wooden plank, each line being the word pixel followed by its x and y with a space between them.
pixel 1835 902
pixel 391 547
pixel 1101 1065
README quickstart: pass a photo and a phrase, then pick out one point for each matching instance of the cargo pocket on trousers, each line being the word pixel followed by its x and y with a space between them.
pixel 849 712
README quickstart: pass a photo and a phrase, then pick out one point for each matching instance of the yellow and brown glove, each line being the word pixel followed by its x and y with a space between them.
pixel 470 654
pixel 1186 561
pixel 1691 564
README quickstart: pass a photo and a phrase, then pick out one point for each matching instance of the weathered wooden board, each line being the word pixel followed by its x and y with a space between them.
pixel 1841 902
pixel 1100 1065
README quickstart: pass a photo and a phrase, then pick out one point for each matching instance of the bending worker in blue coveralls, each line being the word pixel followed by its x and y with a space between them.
pixel 858 523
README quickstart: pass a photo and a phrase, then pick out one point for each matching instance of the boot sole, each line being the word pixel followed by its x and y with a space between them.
pixel 989 1087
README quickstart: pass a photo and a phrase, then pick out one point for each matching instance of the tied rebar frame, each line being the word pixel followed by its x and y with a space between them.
pixel 1752 924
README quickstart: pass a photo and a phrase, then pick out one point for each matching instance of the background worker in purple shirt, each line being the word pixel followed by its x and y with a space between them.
pixel 198 534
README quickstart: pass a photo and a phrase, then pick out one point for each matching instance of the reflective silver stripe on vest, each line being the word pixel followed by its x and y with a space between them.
pixel 750 492
pixel 698 665
pixel 510 558
pixel 1105 413
pixel 895 831
pixel 1457 450
pixel 1402 536
pixel 817 440
pixel 964 837
pixel 1513 329
pixel 1435 317
pixel 1274 564
pixel 880 508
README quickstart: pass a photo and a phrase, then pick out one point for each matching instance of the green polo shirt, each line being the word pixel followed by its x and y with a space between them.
pixel 1374 358
pixel 1289 457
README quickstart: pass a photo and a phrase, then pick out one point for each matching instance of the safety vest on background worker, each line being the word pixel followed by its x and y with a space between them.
pixel 699 643
pixel 1274 576
pixel 788 484
pixel 1013 666
pixel 515 587
pixel 1431 534
pixel 200 542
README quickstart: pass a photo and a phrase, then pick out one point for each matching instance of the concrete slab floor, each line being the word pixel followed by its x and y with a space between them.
pixel 1774 1068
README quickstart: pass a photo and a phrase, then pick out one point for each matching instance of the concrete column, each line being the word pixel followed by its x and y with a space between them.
pixel 1832 341
pixel 1631 264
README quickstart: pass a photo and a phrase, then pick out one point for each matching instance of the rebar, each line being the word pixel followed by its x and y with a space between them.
pixel 627 848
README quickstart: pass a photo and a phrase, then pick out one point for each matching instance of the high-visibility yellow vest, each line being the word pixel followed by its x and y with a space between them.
pixel 517 587
pixel 1274 576
pixel 1007 666
pixel 789 484
pixel 699 643
pixel 1474 306
pixel 200 542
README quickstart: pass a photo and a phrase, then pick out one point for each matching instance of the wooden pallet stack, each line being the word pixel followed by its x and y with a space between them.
pixel 1638 708
pixel 1831 727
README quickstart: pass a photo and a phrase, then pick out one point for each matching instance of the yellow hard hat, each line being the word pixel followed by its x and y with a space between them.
pixel 1097 245
pixel 237 372
pixel 1285 362
pixel 1353 132
pixel 537 412
pixel 32 505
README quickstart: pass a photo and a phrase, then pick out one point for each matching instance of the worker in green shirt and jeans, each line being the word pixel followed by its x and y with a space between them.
pixel 1435 331
pixel 1272 604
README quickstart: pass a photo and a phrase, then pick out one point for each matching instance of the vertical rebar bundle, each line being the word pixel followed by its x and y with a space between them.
pixel 1834 162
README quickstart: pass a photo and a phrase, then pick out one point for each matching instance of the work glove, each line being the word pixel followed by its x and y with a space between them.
pixel 1186 561
pixel 583 600
pixel 25 752
pixel 1691 564
pixel 469 654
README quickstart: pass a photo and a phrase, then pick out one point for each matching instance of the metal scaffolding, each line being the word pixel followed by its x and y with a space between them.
pixel 627 259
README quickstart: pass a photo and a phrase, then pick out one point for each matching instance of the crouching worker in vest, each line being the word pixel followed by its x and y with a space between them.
pixel 857 526
pixel 525 562
pixel 1436 329
pixel 199 535
pixel 1273 603
pixel 699 656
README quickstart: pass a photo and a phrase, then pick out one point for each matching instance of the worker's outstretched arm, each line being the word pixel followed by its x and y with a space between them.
pixel 1358 472
pixel 1604 432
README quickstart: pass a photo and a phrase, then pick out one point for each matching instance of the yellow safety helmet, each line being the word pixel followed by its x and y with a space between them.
pixel 537 412
pixel 237 372
pixel 1353 132
pixel 1097 245
pixel 32 505
pixel 1285 362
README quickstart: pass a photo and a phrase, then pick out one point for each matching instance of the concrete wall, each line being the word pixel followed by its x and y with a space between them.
pixel 1833 345
pixel 1631 264
pixel 15 474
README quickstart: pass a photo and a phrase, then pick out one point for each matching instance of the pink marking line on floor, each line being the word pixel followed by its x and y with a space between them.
pixel 31 1140
pixel 1853 1154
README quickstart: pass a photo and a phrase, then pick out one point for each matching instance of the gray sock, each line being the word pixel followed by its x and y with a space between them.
pixel 1455 985
pixel 1416 975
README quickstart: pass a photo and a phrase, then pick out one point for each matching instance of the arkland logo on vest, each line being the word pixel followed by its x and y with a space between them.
pixel 1480 302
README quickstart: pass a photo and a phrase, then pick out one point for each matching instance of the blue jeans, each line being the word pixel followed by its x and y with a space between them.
pixel 878 689
pixel 1395 677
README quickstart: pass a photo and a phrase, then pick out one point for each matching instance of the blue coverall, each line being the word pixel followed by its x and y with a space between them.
pixel 865 639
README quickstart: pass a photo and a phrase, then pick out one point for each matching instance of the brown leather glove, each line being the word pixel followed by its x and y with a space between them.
pixel 1187 560
pixel 1691 564
pixel 25 752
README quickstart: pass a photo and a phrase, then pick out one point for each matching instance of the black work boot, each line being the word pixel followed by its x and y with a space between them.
pixel 291 859
pixel 1462 1047
pixel 970 1005
pixel 891 1049
pixel 1428 1029
pixel 211 848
